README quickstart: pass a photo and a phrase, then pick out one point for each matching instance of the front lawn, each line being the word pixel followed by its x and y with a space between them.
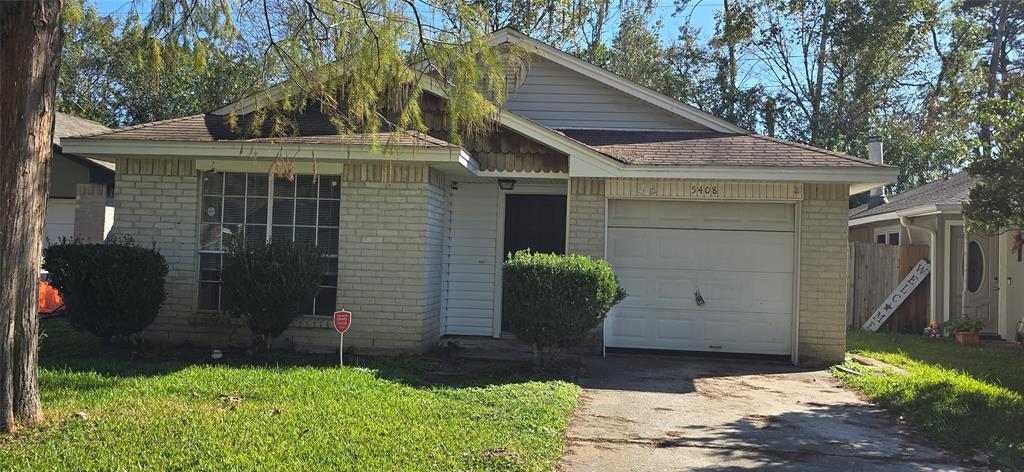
pixel 144 410
pixel 968 398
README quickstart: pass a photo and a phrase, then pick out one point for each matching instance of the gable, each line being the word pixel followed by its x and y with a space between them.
pixel 558 97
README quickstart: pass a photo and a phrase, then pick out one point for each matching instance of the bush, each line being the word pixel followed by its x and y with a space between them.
pixel 964 324
pixel 266 284
pixel 554 301
pixel 112 290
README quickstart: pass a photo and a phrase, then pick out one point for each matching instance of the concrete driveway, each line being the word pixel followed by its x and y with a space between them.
pixel 673 413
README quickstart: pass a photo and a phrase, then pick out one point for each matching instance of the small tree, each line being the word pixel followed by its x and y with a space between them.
pixel 267 284
pixel 112 290
pixel 996 202
pixel 554 301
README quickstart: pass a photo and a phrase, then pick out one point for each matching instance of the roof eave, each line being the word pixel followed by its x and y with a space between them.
pixel 110 148
pixel 922 210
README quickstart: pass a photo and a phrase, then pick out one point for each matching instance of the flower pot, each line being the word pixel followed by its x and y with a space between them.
pixel 967 338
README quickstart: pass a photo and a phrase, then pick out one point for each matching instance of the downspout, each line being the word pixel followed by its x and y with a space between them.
pixel 933 295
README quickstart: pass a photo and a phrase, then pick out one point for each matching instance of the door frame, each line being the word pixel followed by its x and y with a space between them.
pixel 947 266
pixel 558 187
pixel 797 236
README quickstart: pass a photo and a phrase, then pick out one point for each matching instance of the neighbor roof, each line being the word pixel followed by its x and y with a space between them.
pixel 70 125
pixel 706 148
pixel 951 190
pixel 312 128
pixel 66 125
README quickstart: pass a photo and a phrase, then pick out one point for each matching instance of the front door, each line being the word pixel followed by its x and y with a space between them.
pixel 534 222
pixel 973 291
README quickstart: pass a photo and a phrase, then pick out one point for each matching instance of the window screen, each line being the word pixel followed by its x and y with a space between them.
pixel 305 209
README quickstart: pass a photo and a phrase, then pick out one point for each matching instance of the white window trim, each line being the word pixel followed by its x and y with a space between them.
pixel 888 231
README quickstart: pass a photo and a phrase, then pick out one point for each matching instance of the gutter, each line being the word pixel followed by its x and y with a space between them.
pixel 933 294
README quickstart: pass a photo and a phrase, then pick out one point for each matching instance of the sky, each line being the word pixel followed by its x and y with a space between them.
pixel 701 14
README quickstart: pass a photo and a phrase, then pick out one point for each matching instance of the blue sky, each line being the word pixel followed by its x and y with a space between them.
pixel 701 14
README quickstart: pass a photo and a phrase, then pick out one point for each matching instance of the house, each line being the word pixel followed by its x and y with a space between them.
pixel 931 214
pixel 80 191
pixel 683 204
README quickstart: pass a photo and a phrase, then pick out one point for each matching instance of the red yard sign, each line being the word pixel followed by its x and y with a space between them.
pixel 342 320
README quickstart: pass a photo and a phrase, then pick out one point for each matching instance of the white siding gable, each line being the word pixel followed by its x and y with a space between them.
pixel 558 97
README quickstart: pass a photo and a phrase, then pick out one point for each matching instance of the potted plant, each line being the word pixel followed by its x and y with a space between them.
pixel 965 329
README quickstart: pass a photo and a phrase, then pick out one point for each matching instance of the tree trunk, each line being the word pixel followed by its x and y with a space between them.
pixel 998 30
pixel 30 35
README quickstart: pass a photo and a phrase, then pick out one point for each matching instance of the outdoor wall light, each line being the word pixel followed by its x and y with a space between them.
pixel 506 184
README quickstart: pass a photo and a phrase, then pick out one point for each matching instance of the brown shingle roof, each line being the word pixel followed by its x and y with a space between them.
pixel 69 125
pixel 701 148
pixel 312 128
pixel 951 190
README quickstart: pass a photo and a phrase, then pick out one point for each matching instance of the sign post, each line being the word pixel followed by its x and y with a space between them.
pixel 342 321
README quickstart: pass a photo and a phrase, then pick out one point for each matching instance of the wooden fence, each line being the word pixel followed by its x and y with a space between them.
pixel 875 271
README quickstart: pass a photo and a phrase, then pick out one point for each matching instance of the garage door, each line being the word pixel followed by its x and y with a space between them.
pixel 737 256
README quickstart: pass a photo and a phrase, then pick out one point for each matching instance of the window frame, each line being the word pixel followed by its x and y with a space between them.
pixel 891 236
pixel 331 270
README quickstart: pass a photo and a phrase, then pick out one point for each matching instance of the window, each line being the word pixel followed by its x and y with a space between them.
pixel 975 266
pixel 888 237
pixel 262 208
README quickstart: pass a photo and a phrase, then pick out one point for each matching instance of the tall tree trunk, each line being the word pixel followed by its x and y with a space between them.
pixel 730 95
pixel 998 30
pixel 30 35
pixel 819 79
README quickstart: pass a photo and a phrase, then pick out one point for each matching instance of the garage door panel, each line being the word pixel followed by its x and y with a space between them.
pixel 700 215
pixel 721 291
pixel 700 249
pixel 738 255
pixel 736 332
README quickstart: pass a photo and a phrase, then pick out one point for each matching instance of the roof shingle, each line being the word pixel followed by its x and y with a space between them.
pixel 951 190
pixel 312 128
pixel 708 148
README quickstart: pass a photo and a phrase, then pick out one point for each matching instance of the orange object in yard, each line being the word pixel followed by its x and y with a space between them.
pixel 49 299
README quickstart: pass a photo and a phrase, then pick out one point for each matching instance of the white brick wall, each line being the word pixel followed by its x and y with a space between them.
pixel 391 235
pixel 160 211
pixel 823 273
pixel 587 206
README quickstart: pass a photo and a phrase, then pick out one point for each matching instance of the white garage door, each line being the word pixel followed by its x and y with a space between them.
pixel 737 256
pixel 59 221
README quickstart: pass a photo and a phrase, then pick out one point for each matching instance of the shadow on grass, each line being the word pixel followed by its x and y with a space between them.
pixel 64 349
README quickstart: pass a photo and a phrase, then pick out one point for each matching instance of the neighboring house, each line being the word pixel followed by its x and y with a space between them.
pixel 581 161
pixel 931 214
pixel 80 192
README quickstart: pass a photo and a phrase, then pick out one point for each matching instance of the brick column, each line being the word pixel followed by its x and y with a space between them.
pixel 824 253
pixel 90 212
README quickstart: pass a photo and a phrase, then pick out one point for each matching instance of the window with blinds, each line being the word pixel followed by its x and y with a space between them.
pixel 259 207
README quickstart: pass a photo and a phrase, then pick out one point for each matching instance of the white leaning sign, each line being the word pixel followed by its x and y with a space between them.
pixel 903 290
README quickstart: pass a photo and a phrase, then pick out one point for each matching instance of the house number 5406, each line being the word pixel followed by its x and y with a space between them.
pixel 704 190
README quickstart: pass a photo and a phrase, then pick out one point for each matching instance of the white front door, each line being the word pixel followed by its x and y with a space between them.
pixel 471 264
pixel 702 276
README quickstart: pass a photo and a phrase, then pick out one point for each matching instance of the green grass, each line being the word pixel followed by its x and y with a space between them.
pixel 151 410
pixel 968 398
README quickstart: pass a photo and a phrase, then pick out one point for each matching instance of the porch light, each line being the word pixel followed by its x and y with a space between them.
pixel 506 184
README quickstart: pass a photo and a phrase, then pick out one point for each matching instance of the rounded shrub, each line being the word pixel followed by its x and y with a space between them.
pixel 266 284
pixel 553 301
pixel 112 290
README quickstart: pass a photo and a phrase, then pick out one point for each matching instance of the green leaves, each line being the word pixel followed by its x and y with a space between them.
pixel 554 301
pixel 266 283
pixel 112 290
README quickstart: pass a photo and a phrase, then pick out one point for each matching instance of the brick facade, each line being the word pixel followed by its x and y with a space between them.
pixel 824 256
pixel 391 232
pixel 394 221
